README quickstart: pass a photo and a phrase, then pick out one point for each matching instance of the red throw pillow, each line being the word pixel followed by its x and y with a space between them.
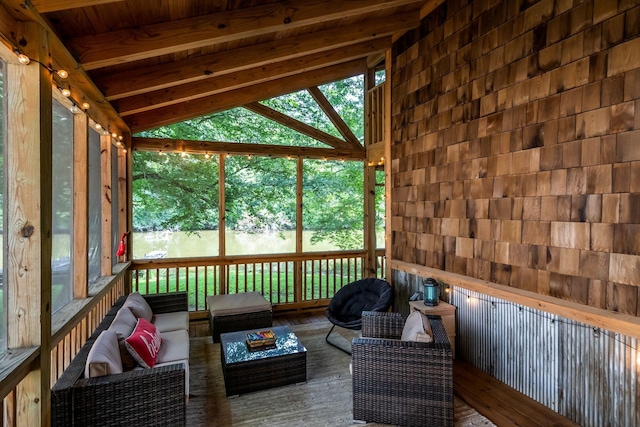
pixel 144 343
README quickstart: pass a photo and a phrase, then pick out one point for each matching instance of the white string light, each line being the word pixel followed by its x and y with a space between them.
pixel 66 92
pixel 22 58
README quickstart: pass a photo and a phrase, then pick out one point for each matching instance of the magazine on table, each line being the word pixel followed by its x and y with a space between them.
pixel 261 339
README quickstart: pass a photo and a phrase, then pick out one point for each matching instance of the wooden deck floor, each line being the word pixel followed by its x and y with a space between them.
pixel 474 390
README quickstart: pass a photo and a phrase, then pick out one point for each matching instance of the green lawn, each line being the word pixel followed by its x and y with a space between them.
pixel 276 286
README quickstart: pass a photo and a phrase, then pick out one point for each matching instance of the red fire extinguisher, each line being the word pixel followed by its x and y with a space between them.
pixel 122 247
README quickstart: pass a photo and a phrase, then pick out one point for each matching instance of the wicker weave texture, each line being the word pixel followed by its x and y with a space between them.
pixel 262 374
pixel 168 303
pixel 137 398
pixel 400 382
pixel 239 322
pixel 147 397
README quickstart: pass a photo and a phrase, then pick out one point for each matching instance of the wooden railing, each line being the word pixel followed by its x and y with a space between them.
pixel 71 332
pixel 288 281
pixel 71 327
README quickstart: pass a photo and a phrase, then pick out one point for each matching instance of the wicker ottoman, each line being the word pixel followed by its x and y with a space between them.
pixel 238 312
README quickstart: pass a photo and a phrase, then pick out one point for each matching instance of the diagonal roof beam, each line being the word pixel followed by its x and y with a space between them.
pixel 44 6
pixel 334 116
pixel 236 98
pixel 103 50
pixel 260 74
pixel 297 125
pixel 245 149
pixel 146 79
pixel 429 6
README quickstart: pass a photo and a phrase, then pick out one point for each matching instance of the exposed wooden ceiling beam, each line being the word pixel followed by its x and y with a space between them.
pixel 147 79
pixel 429 6
pixel 260 74
pixel 297 125
pixel 245 149
pixel 44 6
pixel 82 87
pixel 103 50
pixel 375 59
pixel 236 98
pixel 335 118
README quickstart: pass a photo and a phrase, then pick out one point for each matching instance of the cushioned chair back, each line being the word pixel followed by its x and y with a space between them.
pixel 347 305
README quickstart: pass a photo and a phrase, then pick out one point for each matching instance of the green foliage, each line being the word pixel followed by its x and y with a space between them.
pixel 171 192
pixel 333 202
pixel 181 193
pixel 260 194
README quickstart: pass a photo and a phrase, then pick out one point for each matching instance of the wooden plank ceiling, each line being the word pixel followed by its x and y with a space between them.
pixel 159 62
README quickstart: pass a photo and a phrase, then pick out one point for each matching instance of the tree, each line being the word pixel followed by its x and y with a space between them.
pixel 260 192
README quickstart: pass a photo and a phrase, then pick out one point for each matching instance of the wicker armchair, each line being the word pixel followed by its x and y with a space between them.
pixel 401 382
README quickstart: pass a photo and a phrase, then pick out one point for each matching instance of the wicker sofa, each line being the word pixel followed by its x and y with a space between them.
pixel 140 397
pixel 401 382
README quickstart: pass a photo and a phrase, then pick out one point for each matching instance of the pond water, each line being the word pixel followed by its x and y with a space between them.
pixel 179 244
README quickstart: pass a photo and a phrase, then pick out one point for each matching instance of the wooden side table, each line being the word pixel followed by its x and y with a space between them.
pixel 448 314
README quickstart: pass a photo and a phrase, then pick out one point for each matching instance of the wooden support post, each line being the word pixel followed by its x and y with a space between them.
pixel 369 188
pixel 123 225
pixel 129 204
pixel 80 205
pixel 105 171
pixel 222 251
pixel 27 278
pixel 297 278
pixel 387 162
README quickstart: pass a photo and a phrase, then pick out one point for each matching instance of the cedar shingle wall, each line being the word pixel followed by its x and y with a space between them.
pixel 516 146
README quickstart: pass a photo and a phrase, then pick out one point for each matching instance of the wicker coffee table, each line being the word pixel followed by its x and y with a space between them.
pixel 247 370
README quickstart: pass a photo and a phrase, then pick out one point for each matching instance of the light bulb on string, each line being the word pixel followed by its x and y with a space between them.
pixel 160 153
pixel 63 74
pixel 206 156
pixel 22 58
pixel 74 108
pixel 85 105
pixel 114 135
pixel 98 126
pixel 120 138
pixel 65 92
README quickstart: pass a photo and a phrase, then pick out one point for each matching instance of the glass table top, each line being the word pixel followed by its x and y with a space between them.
pixel 236 350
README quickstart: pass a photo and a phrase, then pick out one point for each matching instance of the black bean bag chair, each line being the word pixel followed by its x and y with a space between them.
pixel 346 306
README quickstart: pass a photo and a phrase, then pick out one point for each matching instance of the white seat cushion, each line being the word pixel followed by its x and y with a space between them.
pixel 175 346
pixel 230 304
pixel 174 321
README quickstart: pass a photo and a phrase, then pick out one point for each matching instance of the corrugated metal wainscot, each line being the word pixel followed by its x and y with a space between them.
pixel 587 374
